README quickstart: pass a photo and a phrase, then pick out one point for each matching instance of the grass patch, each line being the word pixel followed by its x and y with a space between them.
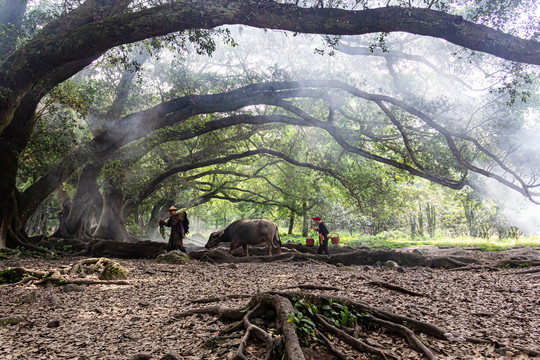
pixel 489 244
pixel 396 239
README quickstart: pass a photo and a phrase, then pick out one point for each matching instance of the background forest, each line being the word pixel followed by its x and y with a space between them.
pixel 358 134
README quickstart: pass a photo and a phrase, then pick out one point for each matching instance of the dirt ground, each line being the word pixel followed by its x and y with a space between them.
pixel 120 321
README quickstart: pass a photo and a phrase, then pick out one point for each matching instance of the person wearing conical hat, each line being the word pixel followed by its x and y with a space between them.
pixel 323 235
pixel 179 224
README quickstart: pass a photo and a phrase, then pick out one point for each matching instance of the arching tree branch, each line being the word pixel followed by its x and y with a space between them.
pixel 83 38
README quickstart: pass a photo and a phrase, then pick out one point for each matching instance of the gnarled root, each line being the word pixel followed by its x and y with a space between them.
pixel 290 323
pixel 64 276
pixel 327 332
pixel 353 342
pixel 257 331
pixel 21 275
pixel 223 313
pixel 97 263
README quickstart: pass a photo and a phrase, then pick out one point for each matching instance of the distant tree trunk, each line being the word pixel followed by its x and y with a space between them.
pixel 304 216
pixel 38 223
pixel 196 224
pixel 291 223
pixel 65 202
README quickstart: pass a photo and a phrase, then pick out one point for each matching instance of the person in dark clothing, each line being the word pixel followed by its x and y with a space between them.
pixel 323 235
pixel 179 224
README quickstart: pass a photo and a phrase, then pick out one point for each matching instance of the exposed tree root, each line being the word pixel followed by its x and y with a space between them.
pixel 223 313
pixel 408 334
pixel 62 277
pixel 27 275
pixel 283 308
pixel 394 287
pixel 346 256
pixel 257 331
pixel 527 351
pixel 25 280
pixel 91 246
pixel 516 264
pixel 361 307
pixel 353 342
pixel 97 263
pixel 18 239
pixel 475 267
pixel 327 329
pixel 524 350
pixel 62 281
pixel 329 345
pixel 234 327
pixel 531 271
pixel 312 287
pixel 219 298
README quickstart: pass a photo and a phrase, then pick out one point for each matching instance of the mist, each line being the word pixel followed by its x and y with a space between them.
pixel 460 95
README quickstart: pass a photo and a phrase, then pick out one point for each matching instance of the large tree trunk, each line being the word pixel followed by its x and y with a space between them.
pixel 16 208
pixel 38 223
pixel 112 223
pixel 78 214
pixel 11 227
pixel 12 142
pixel 8 204
pixel 7 220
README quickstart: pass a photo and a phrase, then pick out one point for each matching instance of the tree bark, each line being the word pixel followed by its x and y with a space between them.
pixel 79 213
pixel 111 223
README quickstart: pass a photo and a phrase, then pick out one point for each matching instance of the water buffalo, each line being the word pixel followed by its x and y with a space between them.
pixel 248 232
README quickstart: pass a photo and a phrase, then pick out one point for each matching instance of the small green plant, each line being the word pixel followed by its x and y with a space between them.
pixel 10 276
pixel 407 325
pixel 334 311
pixel 305 328
pixel 340 314
pixel 39 252
pixel 305 307
pixel 515 265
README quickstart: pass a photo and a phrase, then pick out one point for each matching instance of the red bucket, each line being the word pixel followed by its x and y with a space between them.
pixel 334 237
pixel 310 241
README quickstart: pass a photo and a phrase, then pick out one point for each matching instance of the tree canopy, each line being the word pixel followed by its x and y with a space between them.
pixel 147 108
